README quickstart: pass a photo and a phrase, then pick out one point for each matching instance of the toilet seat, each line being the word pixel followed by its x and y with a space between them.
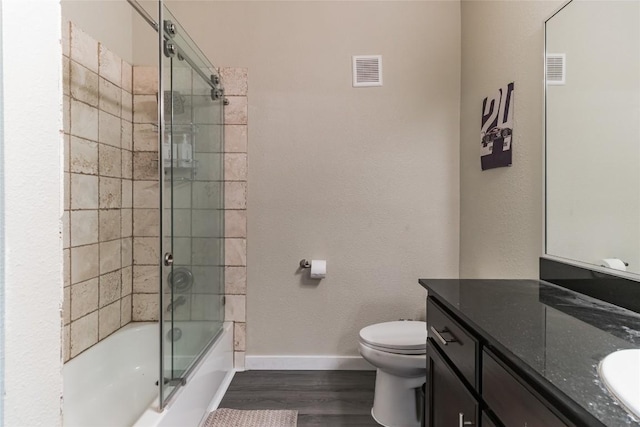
pixel 399 337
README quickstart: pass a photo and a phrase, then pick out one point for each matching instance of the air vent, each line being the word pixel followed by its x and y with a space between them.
pixel 556 68
pixel 367 70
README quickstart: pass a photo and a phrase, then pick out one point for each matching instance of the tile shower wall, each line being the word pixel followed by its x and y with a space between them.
pixel 97 232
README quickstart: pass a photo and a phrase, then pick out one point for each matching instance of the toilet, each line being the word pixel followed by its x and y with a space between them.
pixel 398 351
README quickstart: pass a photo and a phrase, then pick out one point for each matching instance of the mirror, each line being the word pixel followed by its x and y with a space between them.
pixel 592 119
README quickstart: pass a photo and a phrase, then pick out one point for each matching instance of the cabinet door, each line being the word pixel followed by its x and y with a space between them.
pixel 448 402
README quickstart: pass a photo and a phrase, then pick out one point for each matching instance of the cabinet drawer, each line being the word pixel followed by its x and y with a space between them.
pixel 512 403
pixel 455 342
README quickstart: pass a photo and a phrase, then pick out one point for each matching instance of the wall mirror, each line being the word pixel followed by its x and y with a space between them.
pixel 592 132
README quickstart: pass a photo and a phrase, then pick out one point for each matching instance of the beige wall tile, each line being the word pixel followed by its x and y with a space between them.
pixel 84 298
pixel 66 230
pixel 146 194
pixel 84 333
pixel 110 256
pixel 84 191
pixel 66 114
pixel 183 310
pixel 127 106
pixel 67 192
pixel 239 336
pixel 83 156
pixel 110 227
pixel 110 193
pixel 66 76
pixel 110 65
pixel 235 280
pixel 110 129
pixel 110 287
pixel 84 120
pixel 235 195
pixel 127 280
pixel 145 250
pixel 127 135
pixel 85 263
pixel 110 97
pixel 127 222
pixel 206 307
pixel 127 77
pixel 235 167
pixel 110 161
pixel 145 279
pixel 66 254
pixel 210 166
pixel 145 80
pixel 125 310
pixel 235 308
pixel 84 227
pixel 235 223
pixel 182 250
pixel 109 320
pixel 203 250
pixel 145 165
pixel 84 84
pixel 127 164
pixel 238 360
pixel 145 307
pixel 66 306
pixel 67 152
pixel 182 195
pixel 145 137
pixel 127 193
pixel 207 223
pixel 145 109
pixel 66 343
pixel 236 112
pixel 84 49
pixel 207 195
pixel 181 222
pixel 66 37
pixel 146 222
pixel 235 81
pixel 235 138
pixel 235 252
pixel 127 251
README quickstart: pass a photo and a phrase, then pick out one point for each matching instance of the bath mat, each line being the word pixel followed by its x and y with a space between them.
pixel 261 418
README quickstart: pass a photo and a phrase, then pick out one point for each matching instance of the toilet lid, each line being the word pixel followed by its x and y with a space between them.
pixel 400 335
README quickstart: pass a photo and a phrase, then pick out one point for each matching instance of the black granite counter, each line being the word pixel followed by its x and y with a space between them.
pixel 553 336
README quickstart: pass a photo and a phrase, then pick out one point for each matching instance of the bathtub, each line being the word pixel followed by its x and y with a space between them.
pixel 113 384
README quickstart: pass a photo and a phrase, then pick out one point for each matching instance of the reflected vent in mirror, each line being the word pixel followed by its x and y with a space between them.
pixel 367 70
pixel 556 68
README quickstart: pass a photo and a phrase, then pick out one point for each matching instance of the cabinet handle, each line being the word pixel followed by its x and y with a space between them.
pixel 462 422
pixel 442 339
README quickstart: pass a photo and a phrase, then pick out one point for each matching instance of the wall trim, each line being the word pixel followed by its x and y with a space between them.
pixel 311 363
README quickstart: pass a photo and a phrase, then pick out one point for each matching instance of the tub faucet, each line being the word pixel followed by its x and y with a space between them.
pixel 176 303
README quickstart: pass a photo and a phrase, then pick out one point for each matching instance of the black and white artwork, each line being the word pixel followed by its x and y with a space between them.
pixel 496 133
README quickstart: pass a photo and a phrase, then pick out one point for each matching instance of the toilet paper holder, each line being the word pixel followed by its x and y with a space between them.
pixel 305 263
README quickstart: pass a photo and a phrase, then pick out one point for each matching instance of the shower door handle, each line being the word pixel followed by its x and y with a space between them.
pixel 168 259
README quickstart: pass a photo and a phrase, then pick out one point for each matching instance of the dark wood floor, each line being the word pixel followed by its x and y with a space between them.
pixel 322 398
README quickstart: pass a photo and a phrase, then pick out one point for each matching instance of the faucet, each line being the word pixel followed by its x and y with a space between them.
pixel 181 300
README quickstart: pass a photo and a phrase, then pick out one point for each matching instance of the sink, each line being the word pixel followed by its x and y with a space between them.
pixel 620 372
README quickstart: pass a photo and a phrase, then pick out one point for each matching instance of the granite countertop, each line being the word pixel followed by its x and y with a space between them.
pixel 555 336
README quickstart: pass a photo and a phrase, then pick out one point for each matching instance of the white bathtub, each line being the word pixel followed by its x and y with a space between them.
pixel 113 384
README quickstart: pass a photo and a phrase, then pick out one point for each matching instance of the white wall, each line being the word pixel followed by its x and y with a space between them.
pixel 32 120
pixel 593 134
pixel 501 209
pixel 366 178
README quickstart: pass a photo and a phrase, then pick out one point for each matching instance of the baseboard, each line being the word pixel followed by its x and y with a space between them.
pixel 307 363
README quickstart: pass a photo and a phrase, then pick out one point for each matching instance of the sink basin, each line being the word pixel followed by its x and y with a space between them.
pixel 620 372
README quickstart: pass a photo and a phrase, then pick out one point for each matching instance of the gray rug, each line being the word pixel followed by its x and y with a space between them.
pixel 262 418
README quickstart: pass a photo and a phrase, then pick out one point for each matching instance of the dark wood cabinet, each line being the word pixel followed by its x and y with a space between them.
pixel 448 401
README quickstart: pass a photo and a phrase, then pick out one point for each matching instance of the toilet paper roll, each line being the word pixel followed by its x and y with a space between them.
pixel 614 263
pixel 318 268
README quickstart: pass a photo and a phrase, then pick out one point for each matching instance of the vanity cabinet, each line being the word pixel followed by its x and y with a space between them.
pixel 468 385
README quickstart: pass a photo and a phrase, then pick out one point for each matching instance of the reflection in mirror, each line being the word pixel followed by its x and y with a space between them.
pixel 593 133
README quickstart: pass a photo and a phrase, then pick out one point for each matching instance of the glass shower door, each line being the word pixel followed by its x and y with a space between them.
pixel 192 303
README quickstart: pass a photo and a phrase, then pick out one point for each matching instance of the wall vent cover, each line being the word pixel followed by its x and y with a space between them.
pixel 556 68
pixel 367 70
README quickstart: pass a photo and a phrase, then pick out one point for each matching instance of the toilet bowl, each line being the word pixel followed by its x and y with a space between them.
pixel 398 351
